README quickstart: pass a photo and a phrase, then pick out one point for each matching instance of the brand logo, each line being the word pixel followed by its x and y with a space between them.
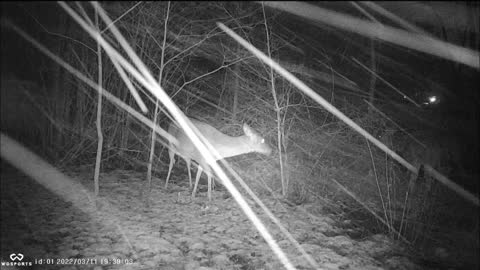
pixel 15 257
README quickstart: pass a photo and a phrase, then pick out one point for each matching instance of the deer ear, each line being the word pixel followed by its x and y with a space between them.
pixel 247 130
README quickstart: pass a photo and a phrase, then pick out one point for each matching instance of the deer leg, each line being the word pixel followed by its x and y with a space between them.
pixel 197 178
pixel 189 173
pixel 171 154
pixel 209 175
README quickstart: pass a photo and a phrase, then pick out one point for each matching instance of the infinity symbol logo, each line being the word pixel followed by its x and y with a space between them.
pixel 18 256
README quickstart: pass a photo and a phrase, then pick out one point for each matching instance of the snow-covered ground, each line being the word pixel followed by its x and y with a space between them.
pixel 173 231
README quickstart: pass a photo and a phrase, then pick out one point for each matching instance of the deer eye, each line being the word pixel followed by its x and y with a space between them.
pixel 263 141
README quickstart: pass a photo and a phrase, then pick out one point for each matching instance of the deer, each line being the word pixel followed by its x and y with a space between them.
pixel 225 145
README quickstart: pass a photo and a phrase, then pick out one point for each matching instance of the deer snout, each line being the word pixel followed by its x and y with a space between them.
pixel 266 149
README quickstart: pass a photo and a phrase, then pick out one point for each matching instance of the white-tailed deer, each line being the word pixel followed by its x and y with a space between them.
pixel 226 146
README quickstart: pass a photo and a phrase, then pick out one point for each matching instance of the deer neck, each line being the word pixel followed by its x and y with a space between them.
pixel 232 146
